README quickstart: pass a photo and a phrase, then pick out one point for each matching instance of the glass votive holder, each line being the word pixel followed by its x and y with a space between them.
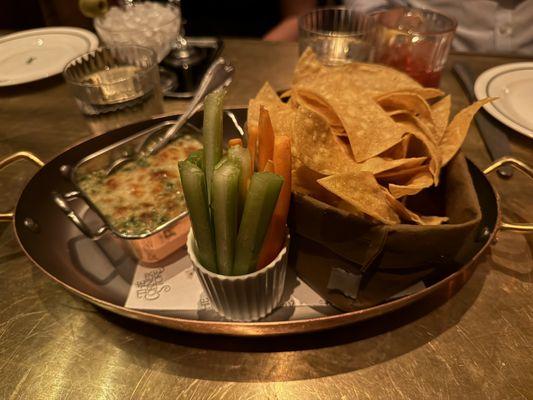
pixel 336 34
pixel 113 79
pixel 416 41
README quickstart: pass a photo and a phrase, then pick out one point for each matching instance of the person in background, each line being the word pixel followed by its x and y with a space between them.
pixel 239 18
pixel 287 29
pixel 484 26
pixel 228 18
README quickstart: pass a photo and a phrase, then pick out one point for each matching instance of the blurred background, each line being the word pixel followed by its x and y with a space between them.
pixel 230 18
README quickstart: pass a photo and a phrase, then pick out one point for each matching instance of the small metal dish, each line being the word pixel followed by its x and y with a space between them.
pixel 150 247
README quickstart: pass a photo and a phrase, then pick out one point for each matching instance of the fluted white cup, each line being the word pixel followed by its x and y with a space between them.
pixel 243 297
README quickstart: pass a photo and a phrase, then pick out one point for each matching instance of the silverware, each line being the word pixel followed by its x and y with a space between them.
pixel 495 139
pixel 219 74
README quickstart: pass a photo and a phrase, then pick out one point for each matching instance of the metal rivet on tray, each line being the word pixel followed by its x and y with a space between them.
pixel 65 171
pixel 484 234
pixel 31 224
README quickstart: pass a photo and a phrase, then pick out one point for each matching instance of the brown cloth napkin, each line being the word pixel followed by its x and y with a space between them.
pixel 390 257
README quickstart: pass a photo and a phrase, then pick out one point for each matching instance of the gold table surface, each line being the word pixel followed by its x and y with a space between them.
pixel 479 344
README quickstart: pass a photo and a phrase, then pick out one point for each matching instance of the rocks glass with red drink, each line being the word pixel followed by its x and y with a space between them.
pixel 412 40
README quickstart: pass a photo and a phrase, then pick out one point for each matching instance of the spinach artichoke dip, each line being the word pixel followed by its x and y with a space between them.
pixel 143 194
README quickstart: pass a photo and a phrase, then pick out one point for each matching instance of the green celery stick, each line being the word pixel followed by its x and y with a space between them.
pixel 194 190
pixel 213 107
pixel 221 162
pixel 242 156
pixel 260 203
pixel 197 158
pixel 225 200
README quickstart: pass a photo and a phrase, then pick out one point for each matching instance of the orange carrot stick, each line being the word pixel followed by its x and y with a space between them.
pixel 275 237
pixel 269 166
pixel 252 145
pixel 266 138
pixel 235 142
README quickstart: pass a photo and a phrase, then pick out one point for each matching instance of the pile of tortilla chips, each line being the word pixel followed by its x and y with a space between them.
pixel 365 136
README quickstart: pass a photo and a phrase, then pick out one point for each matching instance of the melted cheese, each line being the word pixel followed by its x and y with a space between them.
pixel 142 194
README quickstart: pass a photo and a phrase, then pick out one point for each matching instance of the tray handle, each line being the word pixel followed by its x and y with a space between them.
pixel 526 169
pixel 20 155
pixel 62 202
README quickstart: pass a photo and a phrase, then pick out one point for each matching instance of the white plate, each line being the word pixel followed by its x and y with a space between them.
pixel 39 53
pixel 513 85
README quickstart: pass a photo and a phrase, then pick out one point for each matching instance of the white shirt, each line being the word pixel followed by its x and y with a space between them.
pixel 484 26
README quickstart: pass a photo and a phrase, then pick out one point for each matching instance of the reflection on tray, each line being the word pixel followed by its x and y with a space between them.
pixel 174 289
pixel 105 261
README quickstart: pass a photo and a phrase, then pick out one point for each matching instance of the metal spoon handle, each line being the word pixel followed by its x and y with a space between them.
pixel 218 75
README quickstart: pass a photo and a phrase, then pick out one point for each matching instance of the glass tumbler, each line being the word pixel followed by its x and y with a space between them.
pixel 115 86
pixel 412 40
pixel 337 35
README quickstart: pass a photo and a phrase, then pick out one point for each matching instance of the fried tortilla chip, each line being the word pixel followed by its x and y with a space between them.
pixel 429 93
pixel 376 165
pixel 408 215
pixel 363 192
pixel 400 176
pixel 281 114
pixel 419 144
pixel 318 105
pixel 399 150
pixel 316 146
pixel 283 121
pixel 455 133
pixel 405 117
pixel 344 205
pixel 441 116
pixel 369 128
pixel 266 97
pixel 415 185
pixel 412 103
pixel 339 131
pixel 364 136
pixel 304 181
pixel 267 94
pixel 286 94
pixel 307 65
pixel 375 79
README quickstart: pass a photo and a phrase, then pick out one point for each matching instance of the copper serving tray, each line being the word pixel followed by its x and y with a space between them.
pixel 45 236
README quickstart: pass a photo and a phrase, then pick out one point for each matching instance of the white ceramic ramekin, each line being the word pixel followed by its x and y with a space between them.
pixel 244 297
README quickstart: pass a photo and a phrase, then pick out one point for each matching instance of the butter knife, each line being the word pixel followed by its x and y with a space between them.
pixel 495 139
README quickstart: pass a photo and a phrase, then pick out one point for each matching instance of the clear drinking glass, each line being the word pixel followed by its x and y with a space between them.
pixel 337 35
pixel 148 24
pixel 118 81
pixel 415 41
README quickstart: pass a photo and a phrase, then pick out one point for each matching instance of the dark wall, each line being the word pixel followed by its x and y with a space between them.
pixel 26 14
pixel 204 17
pixel 20 14
pixel 230 18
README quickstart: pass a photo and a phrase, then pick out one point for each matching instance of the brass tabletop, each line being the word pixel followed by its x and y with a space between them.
pixel 477 345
